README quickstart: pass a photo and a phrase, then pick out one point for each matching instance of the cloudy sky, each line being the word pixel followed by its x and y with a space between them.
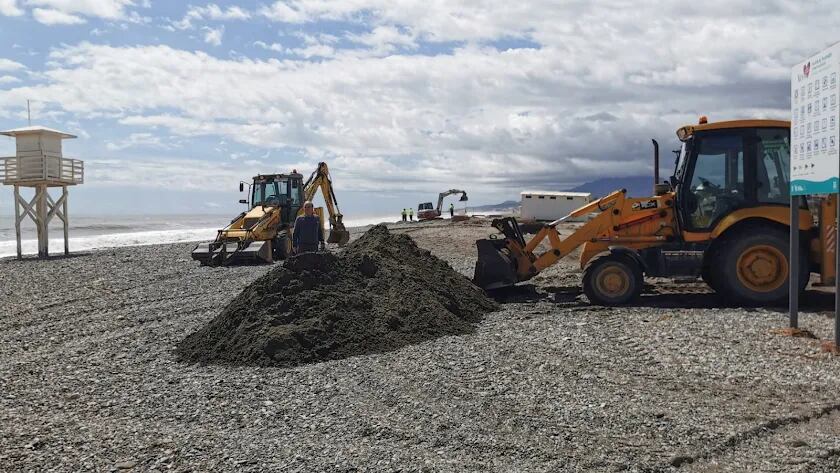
pixel 175 102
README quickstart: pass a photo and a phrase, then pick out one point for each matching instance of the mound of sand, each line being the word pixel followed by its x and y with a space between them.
pixel 380 294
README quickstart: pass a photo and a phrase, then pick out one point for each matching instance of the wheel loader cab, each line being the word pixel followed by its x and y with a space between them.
pixel 726 168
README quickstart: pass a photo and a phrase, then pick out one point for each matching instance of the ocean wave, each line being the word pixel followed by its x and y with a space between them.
pixel 112 240
pixel 135 238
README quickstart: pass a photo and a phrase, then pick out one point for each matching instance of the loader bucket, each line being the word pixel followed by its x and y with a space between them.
pixel 254 253
pixel 203 252
pixel 214 253
pixel 494 268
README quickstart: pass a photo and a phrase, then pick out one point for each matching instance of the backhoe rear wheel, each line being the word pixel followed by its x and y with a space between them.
pixel 752 267
pixel 612 280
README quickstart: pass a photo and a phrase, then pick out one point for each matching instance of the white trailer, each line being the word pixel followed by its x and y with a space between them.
pixel 549 206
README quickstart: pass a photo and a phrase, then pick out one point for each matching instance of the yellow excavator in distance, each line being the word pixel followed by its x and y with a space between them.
pixel 263 234
pixel 724 216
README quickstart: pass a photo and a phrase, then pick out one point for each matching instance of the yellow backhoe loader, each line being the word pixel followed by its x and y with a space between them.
pixel 264 232
pixel 724 216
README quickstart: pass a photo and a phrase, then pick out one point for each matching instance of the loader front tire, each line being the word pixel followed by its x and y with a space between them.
pixel 612 279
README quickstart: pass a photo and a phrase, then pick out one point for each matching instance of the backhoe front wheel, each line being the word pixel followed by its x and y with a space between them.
pixel 753 267
pixel 612 280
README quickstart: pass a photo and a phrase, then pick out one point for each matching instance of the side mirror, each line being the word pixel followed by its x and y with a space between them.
pixel 241 187
pixel 243 201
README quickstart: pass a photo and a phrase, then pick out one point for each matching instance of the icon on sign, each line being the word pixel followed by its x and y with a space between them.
pixel 801 148
pixel 816 145
pixel 809 146
pixel 810 108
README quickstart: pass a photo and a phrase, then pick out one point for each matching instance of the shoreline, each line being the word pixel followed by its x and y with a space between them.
pixel 93 243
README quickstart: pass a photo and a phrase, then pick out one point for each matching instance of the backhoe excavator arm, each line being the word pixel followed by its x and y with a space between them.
pixel 320 179
pixel 443 195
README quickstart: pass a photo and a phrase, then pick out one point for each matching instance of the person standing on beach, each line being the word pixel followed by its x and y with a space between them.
pixel 411 214
pixel 451 210
pixel 405 215
pixel 308 235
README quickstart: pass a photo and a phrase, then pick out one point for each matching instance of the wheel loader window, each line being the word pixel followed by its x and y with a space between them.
pixel 717 181
pixel 772 180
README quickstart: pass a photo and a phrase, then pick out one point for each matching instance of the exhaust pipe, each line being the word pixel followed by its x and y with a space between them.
pixel 655 162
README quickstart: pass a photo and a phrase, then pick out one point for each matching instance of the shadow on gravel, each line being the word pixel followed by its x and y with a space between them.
pixel 30 259
pixel 677 297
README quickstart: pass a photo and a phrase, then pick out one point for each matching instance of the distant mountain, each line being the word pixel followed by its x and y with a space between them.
pixel 637 186
pixel 506 205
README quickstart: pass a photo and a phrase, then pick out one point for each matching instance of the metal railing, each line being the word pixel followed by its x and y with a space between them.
pixel 51 169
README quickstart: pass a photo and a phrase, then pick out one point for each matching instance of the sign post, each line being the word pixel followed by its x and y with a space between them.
pixel 815 154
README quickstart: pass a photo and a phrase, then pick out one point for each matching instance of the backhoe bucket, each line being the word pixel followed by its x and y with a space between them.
pixel 339 235
pixel 495 268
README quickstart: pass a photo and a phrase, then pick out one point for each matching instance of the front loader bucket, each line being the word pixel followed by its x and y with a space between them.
pixel 203 252
pixel 215 253
pixel 254 253
pixel 494 268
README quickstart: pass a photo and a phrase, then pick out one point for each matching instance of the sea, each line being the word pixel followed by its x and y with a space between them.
pixel 97 232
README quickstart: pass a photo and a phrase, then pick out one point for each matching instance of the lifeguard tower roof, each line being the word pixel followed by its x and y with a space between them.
pixel 27 130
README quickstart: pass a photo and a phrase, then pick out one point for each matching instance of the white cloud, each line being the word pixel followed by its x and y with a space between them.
pixel 139 140
pixel 277 47
pixel 55 17
pixel 107 9
pixel 213 35
pixel 211 12
pixel 7 79
pixel 10 8
pixel 9 65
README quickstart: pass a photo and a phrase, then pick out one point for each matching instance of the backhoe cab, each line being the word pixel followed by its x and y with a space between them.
pixel 724 216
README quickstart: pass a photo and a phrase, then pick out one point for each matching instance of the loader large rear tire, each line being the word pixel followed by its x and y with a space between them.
pixel 612 279
pixel 752 267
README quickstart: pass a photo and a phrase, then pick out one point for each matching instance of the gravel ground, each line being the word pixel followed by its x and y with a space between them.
pixel 678 382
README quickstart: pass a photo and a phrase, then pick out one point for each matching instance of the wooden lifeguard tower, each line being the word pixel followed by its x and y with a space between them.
pixel 38 163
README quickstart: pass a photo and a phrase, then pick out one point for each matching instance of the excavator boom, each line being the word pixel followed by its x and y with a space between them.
pixel 320 180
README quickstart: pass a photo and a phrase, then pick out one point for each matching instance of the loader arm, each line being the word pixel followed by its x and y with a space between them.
pixel 320 180
pixel 505 262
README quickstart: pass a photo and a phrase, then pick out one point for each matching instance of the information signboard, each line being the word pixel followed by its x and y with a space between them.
pixel 815 124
